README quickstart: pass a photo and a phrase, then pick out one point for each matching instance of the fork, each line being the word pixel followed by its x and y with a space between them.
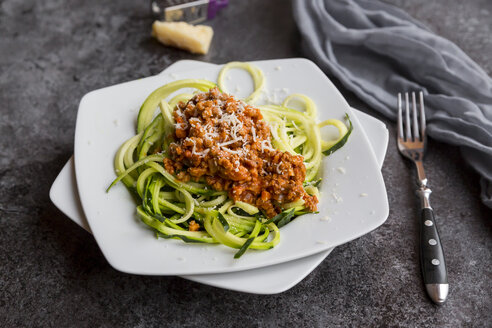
pixel 411 141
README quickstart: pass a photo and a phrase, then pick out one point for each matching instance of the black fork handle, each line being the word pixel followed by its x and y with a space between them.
pixel 432 260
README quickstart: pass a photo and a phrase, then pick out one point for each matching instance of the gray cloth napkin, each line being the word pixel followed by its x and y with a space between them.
pixel 377 50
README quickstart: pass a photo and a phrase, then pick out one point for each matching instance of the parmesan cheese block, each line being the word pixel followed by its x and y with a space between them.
pixel 195 39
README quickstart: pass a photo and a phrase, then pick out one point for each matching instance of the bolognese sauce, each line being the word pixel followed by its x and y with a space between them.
pixel 226 143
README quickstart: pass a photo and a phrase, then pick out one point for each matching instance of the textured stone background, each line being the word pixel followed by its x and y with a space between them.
pixel 52 273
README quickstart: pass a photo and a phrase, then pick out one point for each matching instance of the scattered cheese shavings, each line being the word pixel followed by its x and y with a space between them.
pixel 337 198
pixel 363 194
pixel 116 123
pixel 265 144
pixel 321 242
pixel 341 170
pixel 227 142
pixel 279 170
pixel 253 132
pixel 237 152
pixel 278 68
pixel 325 218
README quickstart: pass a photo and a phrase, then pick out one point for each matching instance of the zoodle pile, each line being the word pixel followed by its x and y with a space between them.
pixel 209 168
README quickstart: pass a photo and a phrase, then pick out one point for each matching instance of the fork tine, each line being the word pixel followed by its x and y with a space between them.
pixel 422 114
pixel 407 118
pixel 400 119
pixel 415 122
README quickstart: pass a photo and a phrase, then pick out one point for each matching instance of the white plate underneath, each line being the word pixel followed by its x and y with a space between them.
pixel 106 118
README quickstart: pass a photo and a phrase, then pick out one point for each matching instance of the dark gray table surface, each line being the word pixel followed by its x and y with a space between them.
pixel 52 273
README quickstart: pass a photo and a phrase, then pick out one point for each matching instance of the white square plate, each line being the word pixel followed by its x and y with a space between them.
pixel 265 280
pixel 107 117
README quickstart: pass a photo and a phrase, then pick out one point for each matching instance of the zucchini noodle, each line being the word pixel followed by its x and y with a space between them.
pixel 173 208
pixel 255 72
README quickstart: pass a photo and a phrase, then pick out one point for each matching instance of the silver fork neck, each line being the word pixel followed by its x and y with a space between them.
pixel 423 192
pixel 424 195
pixel 422 179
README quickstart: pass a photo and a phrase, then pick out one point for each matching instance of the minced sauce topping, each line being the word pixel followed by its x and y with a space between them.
pixel 226 142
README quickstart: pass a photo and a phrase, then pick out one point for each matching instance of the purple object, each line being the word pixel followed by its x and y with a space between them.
pixel 214 6
pixel 193 12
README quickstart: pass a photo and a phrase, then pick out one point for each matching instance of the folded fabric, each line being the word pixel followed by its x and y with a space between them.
pixel 377 50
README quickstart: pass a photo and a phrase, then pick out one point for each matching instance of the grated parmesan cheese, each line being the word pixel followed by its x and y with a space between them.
pixel 337 198
pixel 253 132
pixel 180 125
pixel 265 144
pixel 279 171
pixel 237 152
pixel 227 143
pixel 341 170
